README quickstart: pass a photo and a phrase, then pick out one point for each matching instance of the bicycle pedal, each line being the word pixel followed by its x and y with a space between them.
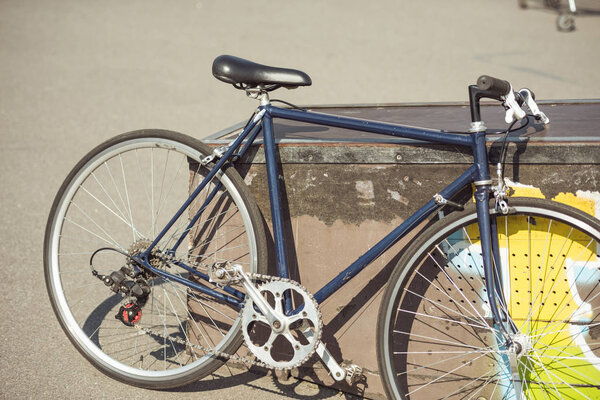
pixel 354 374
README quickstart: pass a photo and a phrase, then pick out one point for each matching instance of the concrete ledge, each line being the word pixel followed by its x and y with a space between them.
pixel 374 153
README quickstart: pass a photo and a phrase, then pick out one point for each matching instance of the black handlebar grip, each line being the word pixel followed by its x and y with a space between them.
pixel 494 85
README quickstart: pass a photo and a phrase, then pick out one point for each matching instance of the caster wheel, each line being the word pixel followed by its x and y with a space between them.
pixel 565 23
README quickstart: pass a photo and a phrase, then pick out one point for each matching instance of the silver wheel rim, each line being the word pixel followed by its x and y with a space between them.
pixel 64 309
pixel 387 351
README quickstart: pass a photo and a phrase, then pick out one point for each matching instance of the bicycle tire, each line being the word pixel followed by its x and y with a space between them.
pixel 120 195
pixel 435 334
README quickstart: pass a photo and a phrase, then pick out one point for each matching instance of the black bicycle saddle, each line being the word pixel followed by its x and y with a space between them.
pixel 240 72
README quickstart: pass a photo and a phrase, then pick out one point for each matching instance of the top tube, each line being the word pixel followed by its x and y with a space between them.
pixel 428 135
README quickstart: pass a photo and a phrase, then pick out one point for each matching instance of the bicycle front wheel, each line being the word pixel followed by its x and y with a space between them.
pixel 436 335
pixel 119 197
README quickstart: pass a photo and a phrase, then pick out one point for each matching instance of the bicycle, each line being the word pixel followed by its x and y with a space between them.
pixel 155 260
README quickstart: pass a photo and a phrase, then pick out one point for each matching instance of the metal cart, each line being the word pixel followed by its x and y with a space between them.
pixel 565 22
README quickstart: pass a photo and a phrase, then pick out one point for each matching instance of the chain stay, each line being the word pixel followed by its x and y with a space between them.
pixel 169 258
pixel 220 354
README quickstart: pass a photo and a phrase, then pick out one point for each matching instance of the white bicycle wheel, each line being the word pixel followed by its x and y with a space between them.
pixel 120 196
pixel 436 335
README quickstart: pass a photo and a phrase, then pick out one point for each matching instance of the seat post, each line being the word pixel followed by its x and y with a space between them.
pixel 264 98
pixel 260 94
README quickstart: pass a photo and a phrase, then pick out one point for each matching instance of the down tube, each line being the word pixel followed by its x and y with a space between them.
pixel 385 243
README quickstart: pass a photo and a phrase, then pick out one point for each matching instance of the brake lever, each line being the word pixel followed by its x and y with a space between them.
pixel 530 103
pixel 514 112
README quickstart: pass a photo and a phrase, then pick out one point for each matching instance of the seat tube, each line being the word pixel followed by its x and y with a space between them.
pixel 482 188
pixel 274 194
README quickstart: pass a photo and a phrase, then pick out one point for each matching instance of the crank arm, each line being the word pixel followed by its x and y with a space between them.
pixel 338 373
pixel 257 298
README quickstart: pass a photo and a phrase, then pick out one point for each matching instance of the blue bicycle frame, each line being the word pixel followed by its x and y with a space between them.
pixel 477 174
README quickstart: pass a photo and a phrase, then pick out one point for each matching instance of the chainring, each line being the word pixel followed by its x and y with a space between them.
pixel 299 334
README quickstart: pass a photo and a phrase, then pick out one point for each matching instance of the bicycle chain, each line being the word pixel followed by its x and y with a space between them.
pixel 220 354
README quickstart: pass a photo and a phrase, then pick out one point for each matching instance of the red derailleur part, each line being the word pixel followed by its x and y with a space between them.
pixel 129 314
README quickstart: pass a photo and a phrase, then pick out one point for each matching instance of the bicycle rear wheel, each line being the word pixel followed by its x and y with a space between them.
pixel 120 196
pixel 436 336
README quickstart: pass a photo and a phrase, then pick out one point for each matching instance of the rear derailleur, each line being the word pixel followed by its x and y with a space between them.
pixel 131 280
pixel 125 281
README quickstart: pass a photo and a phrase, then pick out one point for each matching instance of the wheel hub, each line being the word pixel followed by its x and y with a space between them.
pixel 154 258
pixel 522 345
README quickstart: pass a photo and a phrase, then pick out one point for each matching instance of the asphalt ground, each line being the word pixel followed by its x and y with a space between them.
pixel 74 73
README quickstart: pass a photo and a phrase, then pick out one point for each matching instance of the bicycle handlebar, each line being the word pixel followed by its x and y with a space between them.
pixel 501 90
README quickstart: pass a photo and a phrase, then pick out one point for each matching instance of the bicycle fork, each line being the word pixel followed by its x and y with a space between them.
pixel 515 343
pixel 490 253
